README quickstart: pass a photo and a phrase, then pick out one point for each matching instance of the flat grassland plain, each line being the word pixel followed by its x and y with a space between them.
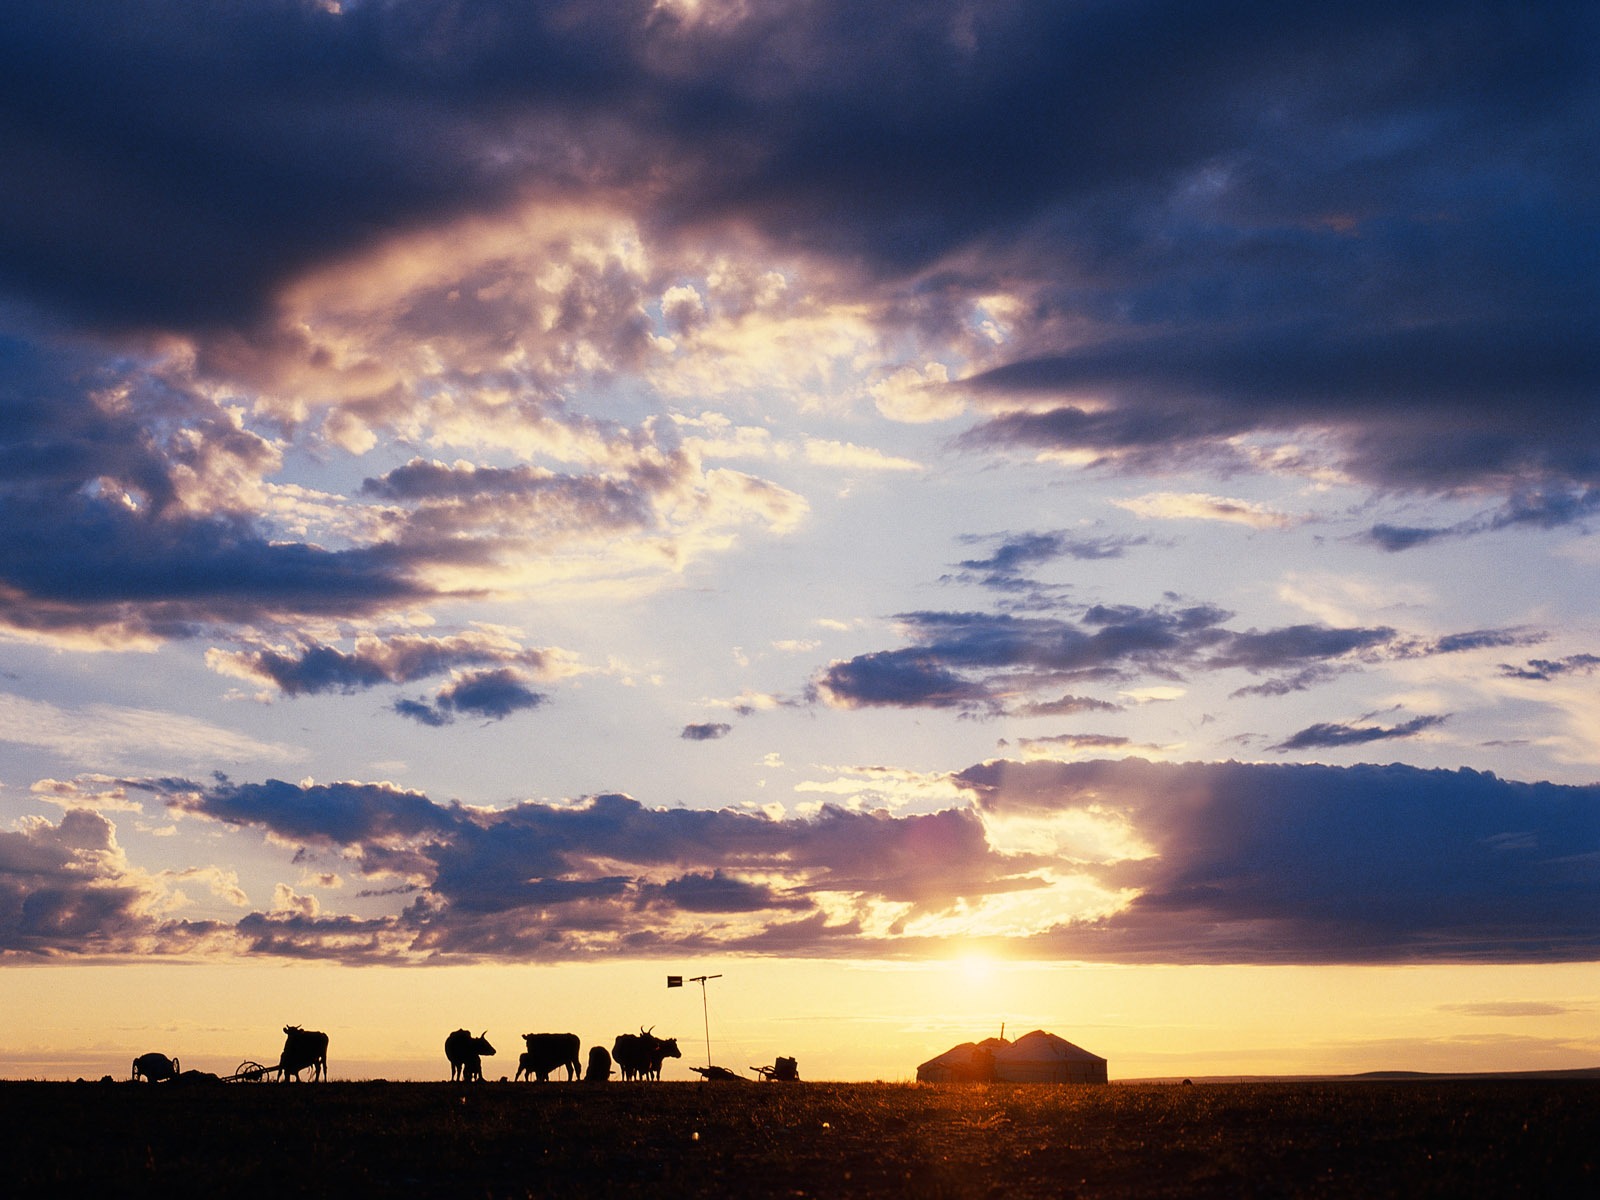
pixel 1502 1137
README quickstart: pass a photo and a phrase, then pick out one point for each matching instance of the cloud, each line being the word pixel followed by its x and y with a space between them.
pixel 897 679
pixel 1550 506
pixel 1545 669
pixel 491 694
pixel 706 732
pixel 1057 745
pixel 109 736
pixel 1002 570
pixel 603 874
pixel 1115 861
pixel 979 661
pixel 1507 1008
pixel 137 508
pixel 68 888
pixel 1400 177
pixel 850 457
pixel 85 568
pixel 307 669
pixel 1330 735
pixel 1403 537
pixel 1304 863
pixel 1063 706
pixel 1174 506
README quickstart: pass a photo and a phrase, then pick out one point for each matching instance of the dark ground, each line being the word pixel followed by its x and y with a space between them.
pixel 1351 1139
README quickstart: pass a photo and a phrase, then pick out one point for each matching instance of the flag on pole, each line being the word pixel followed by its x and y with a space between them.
pixel 674 980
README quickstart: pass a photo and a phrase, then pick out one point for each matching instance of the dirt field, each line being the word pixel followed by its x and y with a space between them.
pixel 1366 1139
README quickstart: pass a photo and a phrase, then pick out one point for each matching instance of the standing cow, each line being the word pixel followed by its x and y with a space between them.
pixel 640 1055
pixel 465 1053
pixel 548 1051
pixel 303 1048
pixel 155 1067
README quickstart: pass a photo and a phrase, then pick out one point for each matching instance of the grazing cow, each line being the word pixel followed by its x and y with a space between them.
pixel 599 1065
pixel 303 1048
pixel 548 1051
pixel 155 1067
pixel 640 1055
pixel 465 1053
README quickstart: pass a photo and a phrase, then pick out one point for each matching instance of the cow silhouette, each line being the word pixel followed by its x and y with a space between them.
pixel 599 1065
pixel 155 1067
pixel 465 1053
pixel 548 1051
pixel 303 1048
pixel 640 1055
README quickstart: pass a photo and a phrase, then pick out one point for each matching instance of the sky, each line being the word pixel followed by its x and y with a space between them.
pixel 1070 514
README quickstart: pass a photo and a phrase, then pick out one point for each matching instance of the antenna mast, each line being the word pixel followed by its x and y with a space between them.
pixel 705 1012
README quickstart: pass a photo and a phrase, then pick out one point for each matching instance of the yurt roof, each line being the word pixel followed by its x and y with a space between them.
pixel 1040 1046
pixel 1037 1046
pixel 963 1054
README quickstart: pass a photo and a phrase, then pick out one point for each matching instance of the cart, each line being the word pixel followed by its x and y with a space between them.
pixel 251 1072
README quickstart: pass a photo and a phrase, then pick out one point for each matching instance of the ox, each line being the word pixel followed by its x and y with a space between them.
pixel 546 1052
pixel 599 1065
pixel 640 1055
pixel 155 1067
pixel 465 1053
pixel 303 1048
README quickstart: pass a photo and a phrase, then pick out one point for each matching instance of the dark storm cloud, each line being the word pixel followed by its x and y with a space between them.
pixel 982 661
pixel 1332 734
pixel 183 160
pixel 1417 408
pixel 1415 182
pixel 87 563
pixel 1291 863
pixel 716 892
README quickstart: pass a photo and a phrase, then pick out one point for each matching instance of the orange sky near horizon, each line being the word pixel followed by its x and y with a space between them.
pixel 843 1021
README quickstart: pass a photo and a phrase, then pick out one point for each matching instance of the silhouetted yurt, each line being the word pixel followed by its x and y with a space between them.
pixel 1036 1057
pixel 1041 1057
pixel 970 1062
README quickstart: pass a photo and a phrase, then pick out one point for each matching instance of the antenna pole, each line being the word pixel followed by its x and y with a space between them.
pixel 705 1012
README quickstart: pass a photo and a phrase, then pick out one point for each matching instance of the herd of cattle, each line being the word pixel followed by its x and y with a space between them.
pixel 636 1056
